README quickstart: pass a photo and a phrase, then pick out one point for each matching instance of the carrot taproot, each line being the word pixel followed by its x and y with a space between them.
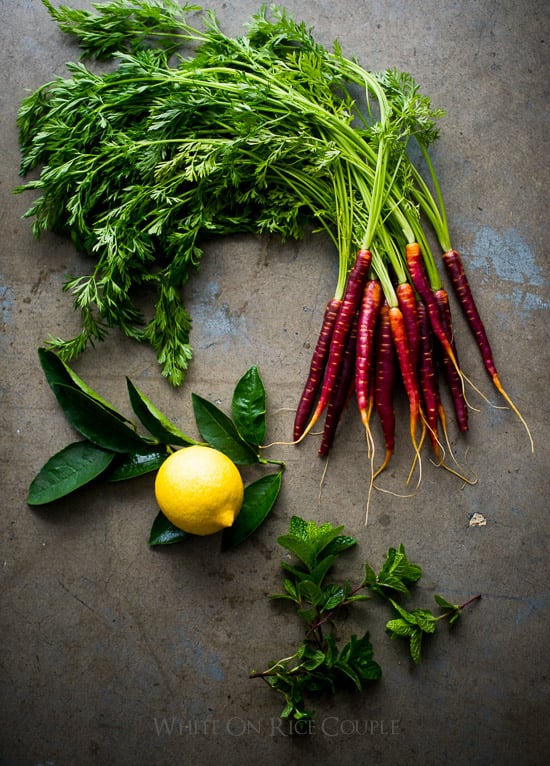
pixel 408 373
pixel 461 286
pixel 368 317
pixel 424 289
pixel 406 299
pixel 341 394
pixel 384 382
pixel 317 368
pixel 342 328
pixel 428 378
pixel 453 379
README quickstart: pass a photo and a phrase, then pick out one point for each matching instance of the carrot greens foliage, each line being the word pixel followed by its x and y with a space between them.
pixel 189 134
pixel 250 134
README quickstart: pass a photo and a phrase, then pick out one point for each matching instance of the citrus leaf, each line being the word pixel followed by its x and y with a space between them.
pixel 219 431
pixel 259 499
pixel 97 424
pixel 153 419
pixel 163 532
pixel 139 463
pixel 67 470
pixel 57 372
pixel 248 407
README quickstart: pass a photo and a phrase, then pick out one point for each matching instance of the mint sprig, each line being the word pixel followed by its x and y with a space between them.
pixel 320 665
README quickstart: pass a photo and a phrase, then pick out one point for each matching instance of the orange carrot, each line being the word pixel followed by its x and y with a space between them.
pixel 406 299
pixel 408 373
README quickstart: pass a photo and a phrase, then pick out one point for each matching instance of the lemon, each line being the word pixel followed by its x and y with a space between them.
pixel 199 489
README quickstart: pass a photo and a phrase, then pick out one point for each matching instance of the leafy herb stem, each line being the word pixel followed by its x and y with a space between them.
pixel 319 663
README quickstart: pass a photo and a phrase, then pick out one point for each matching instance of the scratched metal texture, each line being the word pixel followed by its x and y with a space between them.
pixel 114 653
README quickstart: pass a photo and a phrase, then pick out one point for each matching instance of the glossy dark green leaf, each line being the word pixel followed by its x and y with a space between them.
pixel 97 424
pixel 248 407
pixel 219 431
pixel 138 464
pixel 59 373
pixel 154 420
pixel 259 499
pixel 163 532
pixel 67 470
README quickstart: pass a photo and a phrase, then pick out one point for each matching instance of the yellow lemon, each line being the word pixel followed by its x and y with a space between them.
pixel 199 489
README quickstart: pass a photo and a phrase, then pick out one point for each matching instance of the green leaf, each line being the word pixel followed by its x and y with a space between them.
pixel 248 407
pixel 358 654
pixel 163 532
pixel 97 424
pixel 349 672
pixel 325 535
pixel 259 499
pixel 300 548
pixel 154 421
pixel 333 596
pixel 415 646
pixel 310 591
pixel 290 594
pixel 396 574
pixel 331 650
pixel 308 615
pixel 319 573
pixel 57 372
pixel 220 432
pixel 400 627
pixel 139 463
pixel 71 468
pixel 338 544
pixel 369 578
pixel 425 620
pixel 313 660
pixel 298 527
pixel 443 603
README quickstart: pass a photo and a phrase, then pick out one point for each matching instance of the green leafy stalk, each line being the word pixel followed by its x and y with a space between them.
pixel 258 133
pixel 415 624
pixel 320 665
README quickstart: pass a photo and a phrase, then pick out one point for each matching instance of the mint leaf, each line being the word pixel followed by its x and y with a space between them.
pixel 397 573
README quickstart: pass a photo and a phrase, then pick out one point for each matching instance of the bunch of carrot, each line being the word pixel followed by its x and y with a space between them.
pixel 267 132
pixel 397 327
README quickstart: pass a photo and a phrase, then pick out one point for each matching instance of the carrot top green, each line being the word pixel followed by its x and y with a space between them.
pixel 192 133
pixel 254 133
